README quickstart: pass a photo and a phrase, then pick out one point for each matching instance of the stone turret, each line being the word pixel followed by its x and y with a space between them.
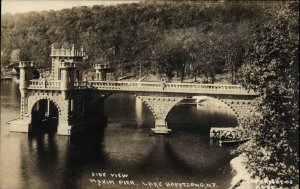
pixel 67 71
pixel 26 69
pixel 26 72
pixel 101 71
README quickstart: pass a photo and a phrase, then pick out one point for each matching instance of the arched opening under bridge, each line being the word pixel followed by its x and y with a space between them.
pixel 198 118
pixel 128 111
pixel 44 116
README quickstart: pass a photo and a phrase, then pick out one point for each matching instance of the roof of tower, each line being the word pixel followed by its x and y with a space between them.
pixel 67 52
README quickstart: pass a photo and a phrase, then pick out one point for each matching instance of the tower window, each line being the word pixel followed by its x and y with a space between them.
pixel 72 105
pixel 59 74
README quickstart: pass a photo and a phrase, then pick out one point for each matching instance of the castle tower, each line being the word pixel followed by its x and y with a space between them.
pixel 26 70
pixel 64 55
pixel 67 75
pixel 101 71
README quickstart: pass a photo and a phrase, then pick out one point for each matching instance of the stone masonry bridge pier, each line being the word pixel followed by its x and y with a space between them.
pixel 80 103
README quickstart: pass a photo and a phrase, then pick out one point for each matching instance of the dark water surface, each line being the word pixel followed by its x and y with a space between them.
pixel 45 160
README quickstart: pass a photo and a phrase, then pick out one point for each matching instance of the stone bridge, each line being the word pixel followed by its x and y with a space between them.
pixel 162 97
pixel 159 97
pixel 79 103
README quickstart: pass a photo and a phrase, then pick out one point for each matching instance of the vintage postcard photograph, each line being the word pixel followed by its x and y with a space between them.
pixel 149 94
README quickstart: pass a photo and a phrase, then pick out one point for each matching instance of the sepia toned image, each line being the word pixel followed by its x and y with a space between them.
pixel 149 94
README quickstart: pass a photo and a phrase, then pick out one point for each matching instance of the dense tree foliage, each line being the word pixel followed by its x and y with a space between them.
pixel 273 71
pixel 126 35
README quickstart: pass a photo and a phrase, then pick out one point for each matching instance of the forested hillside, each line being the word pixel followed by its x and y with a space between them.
pixel 186 39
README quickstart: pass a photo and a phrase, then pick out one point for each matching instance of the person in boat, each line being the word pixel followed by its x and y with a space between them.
pixel 234 134
pixel 229 135
pixel 223 135
pixel 218 135
pixel 237 135
pixel 214 134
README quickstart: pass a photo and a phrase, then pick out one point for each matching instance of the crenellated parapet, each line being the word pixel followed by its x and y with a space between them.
pixel 26 68
pixel 67 52
pixel 101 66
pixel 25 64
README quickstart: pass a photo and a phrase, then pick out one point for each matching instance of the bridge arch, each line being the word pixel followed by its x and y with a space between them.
pixel 204 112
pixel 160 106
pixel 242 108
pixel 61 105
pixel 136 96
pixel 33 101
pixel 44 113
pixel 31 105
pixel 217 100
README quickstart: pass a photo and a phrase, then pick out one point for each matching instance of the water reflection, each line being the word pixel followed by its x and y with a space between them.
pixel 127 111
pixel 44 149
pixel 163 156
pixel 139 111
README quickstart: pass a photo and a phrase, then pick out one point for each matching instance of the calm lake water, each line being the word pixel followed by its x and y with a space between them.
pixel 49 161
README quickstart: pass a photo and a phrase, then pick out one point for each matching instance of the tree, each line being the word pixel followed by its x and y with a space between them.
pixel 207 55
pixel 15 55
pixel 172 56
pixel 273 71
pixel 234 45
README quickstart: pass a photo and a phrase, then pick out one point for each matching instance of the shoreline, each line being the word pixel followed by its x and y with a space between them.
pixel 240 180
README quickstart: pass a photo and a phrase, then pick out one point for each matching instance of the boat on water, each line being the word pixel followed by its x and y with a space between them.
pixel 233 141
pixel 222 132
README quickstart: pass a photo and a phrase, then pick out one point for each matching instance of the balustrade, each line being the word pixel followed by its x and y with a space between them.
pixel 44 84
pixel 145 87
pixel 67 65
pixel 25 63
pixel 80 84
pixel 170 87
pixel 101 66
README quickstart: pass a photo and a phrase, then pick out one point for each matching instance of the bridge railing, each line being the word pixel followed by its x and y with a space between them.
pixel 170 87
pixel 144 86
pixel 44 84
pixel 119 85
pixel 80 84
